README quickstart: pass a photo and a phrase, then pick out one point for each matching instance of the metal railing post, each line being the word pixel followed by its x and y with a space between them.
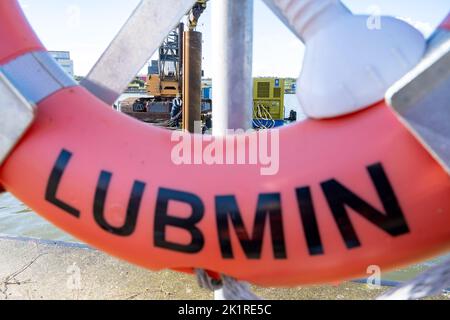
pixel 232 29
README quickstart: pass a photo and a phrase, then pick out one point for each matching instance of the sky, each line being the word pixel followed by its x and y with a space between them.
pixel 86 27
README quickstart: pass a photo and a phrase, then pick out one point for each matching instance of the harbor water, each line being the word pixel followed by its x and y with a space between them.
pixel 16 219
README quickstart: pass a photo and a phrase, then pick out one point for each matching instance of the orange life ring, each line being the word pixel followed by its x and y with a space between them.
pixel 446 24
pixel 350 192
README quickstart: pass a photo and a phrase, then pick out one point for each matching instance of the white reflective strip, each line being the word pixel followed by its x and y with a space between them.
pixel 16 115
pixel 36 75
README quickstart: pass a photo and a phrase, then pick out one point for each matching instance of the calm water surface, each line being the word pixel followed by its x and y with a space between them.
pixel 16 219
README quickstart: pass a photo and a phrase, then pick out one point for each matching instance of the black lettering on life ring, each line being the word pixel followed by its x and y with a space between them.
pixel 393 221
pixel 132 211
pixel 269 206
pixel 54 181
pixel 337 195
pixel 162 220
pixel 309 221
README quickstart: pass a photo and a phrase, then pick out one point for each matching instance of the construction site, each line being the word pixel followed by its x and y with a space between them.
pixel 175 94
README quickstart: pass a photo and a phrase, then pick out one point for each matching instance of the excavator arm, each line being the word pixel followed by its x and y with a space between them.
pixel 195 13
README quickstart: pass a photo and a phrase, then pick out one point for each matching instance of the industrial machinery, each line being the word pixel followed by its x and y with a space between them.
pixel 290 86
pixel 165 77
pixel 164 82
pixel 167 83
pixel 268 102
pixel 136 86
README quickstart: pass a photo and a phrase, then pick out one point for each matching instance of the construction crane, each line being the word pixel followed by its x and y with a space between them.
pixel 165 77
pixel 168 82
